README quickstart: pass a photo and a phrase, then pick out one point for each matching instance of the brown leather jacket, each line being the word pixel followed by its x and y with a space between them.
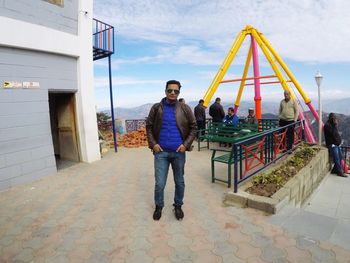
pixel 185 121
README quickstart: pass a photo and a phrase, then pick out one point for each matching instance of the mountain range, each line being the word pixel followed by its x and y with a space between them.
pixel 140 112
pixel 270 111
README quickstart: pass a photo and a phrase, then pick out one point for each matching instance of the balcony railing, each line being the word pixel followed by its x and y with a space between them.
pixel 103 39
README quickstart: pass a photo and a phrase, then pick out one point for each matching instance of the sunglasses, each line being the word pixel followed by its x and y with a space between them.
pixel 173 90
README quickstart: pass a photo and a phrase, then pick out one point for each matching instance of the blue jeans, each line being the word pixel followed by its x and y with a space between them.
pixel 162 160
pixel 337 157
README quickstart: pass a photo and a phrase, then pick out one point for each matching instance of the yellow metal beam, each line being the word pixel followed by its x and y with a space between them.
pixel 275 68
pixel 224 67
pixel 285 68
pixel 270 54
pixel 245 72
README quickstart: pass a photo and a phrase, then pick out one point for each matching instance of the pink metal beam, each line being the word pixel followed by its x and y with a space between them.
pixel 235 109
pixel 313 111
pixel 315 114
pixel 257 97
pixel 308 133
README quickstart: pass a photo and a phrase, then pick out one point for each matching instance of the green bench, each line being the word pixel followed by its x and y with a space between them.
pixel 225 133
pixel 226 158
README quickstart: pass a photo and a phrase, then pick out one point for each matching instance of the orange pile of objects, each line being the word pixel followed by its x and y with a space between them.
pixel 132 139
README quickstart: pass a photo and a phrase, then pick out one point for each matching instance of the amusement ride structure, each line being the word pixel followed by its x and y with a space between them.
pixel 282 73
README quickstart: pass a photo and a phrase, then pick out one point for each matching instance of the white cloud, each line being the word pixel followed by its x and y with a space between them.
pixel 200 33
pixel 305 30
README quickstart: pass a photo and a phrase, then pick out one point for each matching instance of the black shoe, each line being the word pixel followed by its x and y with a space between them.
pixel 157 213
pixel 333 171
pixel 179 214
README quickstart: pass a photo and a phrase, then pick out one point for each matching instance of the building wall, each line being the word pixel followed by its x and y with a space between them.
pixel 26 150
pixel 58 59
pixel 43 13
pixel 54 72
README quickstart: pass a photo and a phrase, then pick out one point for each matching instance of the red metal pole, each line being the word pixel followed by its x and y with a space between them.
pixel 109 42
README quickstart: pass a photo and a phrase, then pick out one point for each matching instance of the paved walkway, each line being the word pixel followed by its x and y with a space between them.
pixel 332 198
pixel 102 212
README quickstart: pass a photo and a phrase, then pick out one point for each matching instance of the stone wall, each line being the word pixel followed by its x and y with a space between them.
pixel 296 191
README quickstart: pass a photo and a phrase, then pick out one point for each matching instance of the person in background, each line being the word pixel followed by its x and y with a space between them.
pixel 199 113
pixel 251 117
pixel 182 100
pixel 216 111
pixel 171 129
pixel 231 118
pixel 288 114
pixel 333 141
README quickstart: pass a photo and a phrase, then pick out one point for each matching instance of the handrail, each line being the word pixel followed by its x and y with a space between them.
pixel 104 30
pixel 103 36
pixel 272 151
pixel 135 124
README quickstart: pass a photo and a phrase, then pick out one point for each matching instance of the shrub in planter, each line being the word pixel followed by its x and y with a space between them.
pixel 266 184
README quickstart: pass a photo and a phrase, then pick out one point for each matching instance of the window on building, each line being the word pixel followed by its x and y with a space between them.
pixel 56 2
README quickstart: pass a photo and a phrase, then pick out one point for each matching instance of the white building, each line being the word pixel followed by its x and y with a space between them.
pixel 47 101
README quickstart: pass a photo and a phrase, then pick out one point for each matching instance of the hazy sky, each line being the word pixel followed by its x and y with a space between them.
pixel 188 40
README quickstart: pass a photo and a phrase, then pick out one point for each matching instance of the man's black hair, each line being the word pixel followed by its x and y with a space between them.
pixel 332 115
pixel 173 82
pixel 200 101
pixel 217 99
pixel 231 109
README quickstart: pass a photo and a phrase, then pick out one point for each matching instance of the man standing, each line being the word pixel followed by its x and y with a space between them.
pixel 171 129
pixel 216 111
pixel 333 141
pixel 288 114
pixel 199 113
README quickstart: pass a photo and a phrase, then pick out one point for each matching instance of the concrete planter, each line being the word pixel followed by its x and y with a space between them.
pixel 295 191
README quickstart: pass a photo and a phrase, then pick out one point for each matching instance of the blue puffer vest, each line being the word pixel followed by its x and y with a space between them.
pixel 170 136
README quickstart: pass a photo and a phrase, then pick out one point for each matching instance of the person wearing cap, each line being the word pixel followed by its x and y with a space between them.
pixel 288 114
pixel 171 129
pixel 251 117
pixel 333 141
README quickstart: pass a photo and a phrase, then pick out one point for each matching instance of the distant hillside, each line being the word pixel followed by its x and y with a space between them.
pixel 270 110
pixel 142 111
pixel 344 124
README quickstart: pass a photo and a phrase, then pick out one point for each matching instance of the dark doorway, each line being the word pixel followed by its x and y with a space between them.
pixel 63 128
